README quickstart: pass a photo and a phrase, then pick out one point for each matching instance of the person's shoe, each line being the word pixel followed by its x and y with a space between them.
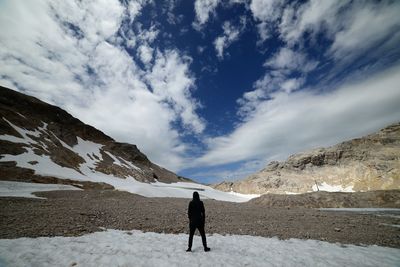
pixel 189 250
pixel 206 249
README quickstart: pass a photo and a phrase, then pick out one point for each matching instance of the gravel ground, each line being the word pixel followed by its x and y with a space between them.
pixel 72 213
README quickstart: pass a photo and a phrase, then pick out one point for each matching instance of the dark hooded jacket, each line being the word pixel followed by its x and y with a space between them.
pixel 196 212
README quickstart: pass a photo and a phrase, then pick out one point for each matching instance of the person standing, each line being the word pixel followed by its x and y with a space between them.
pixel 197 217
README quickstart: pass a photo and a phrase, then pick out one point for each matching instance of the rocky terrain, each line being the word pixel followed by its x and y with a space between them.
pixel 43 143
pixel 71 213
pixel 370 199
pixel 368 163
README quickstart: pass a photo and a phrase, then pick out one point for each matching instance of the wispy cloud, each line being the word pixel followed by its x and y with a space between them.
pixel 230 34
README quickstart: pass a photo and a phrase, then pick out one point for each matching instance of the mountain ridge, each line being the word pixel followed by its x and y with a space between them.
pixel 368 163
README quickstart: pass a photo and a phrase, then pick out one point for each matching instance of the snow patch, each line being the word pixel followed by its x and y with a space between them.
pixel 18 189
pixel 24 133
pixel 135 248
pixel 44 167
pixel 89 151
pixel 362 209
pixel 332 188
pixel 122 163
pixel 391 225
pixel 247 196
pixel 185 190
pixel 21 115
pixel 291 193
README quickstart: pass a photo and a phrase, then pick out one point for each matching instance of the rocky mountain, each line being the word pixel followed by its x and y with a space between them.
pixel 362 164
pixel 43 143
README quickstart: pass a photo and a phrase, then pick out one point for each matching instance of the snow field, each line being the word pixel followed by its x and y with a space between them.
pixel 17 189
pixel 135 248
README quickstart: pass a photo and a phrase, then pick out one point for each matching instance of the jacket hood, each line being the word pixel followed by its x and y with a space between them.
pixel 196 196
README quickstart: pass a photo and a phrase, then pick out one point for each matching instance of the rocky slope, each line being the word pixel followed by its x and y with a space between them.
pixel 43 143
pixel 370 199
pixel 363 164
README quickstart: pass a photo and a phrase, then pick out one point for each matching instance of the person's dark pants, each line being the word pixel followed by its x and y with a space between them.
pixel 200 227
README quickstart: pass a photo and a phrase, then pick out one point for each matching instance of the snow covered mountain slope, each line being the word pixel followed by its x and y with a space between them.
pixel 42 143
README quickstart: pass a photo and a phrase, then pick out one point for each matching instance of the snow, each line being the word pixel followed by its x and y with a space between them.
pixel 291 193
pixel 135 248
pixel 18 189
pixel 381 212
pixel 115 159
pixel 391 225
pixel 124 163
pixel 45 165
pixel 184 189
pixel 332 188
pixel 361 209
pixel 248 196
pixel 23 132
pixel 21 115
pixel 89 151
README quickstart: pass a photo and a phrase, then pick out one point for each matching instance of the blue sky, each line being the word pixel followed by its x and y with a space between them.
pixel 211 89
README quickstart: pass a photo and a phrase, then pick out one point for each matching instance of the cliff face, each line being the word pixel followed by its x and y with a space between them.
pixel 43 143
pixel 368 163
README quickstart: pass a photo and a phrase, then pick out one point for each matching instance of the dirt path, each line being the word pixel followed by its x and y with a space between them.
pixel 70 213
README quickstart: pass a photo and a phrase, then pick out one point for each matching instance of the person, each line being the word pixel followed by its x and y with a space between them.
pixel 197 216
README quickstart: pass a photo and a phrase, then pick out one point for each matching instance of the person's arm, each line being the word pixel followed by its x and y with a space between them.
pixel 190 211
pixel 203 213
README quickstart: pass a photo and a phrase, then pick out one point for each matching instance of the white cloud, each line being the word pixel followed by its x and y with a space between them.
pixel 263 31
pixel 355 27
pixel 134 8
pixel 369 26
pixel 148 35
pixel 145 53
pixel 221 173
pixel 290 123
pixel 292 84
pixel 291 60
pixel 313 16
pixel 230 34
pixel 287 72
pixel 266 12
pixel 203 9
pixel 61 52
pixel 170 79
pixel 219 45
